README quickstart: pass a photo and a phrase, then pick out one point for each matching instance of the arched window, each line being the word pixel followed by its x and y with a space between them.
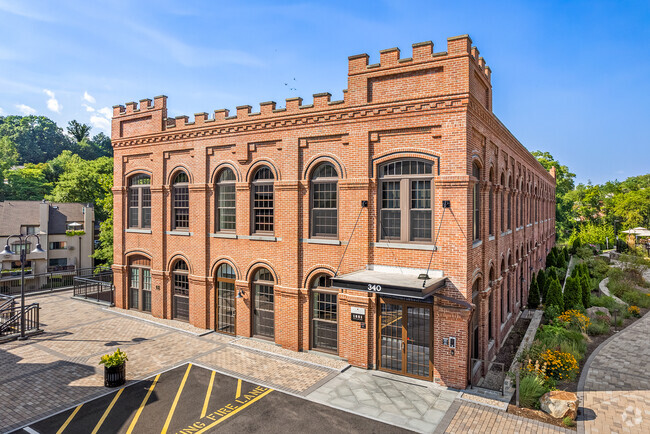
pixel 262 191
pixel 491 305
pixel 181 202
pixel 139 201
pixel 476 202
pixel 226 201
pixel 181 291
pixel 140 283
pixel 510 192
pixel 476 300
pixel 503 291
pixel 491 205
pixel 226 305
pixel 503 192
pixel 263 304
pixel 405 201
pixel 324 318
pixel 324 203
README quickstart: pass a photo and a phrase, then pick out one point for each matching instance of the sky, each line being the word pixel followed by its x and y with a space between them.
pixel 568 77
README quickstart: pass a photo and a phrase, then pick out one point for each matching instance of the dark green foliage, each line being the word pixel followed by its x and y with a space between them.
pixel 533 295
pixel 585 284
pixel 37 138
pixel 554 295
pixel 541 284
pixel 531 388
pixel 565 250
pixel 572 294
pixel 550 259
pixel 575 245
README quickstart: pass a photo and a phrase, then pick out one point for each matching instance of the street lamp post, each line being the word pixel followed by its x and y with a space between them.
pixel 23 258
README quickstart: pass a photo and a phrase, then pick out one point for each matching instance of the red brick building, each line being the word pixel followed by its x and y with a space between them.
pixel 397 228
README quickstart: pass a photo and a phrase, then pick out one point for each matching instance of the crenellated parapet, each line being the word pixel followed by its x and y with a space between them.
pixel 424 75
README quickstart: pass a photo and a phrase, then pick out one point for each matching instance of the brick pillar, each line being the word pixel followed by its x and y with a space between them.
pixel 286 317
pixel 119 278
pixel 243 317
pixel 354 340
pixel 157 293
pixel 199 301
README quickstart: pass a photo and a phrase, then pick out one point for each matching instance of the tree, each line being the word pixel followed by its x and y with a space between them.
pixel 585 283
pixel 533 295
pixel 572 294
pixel 8 158
pixel 85 181
pixel 102 145
pixel 564 183
pixel 37 138
pixel 78 131
pixel 27 183
pixel 554 295
pixel 104 253
pixel 550 259
pixel 541 284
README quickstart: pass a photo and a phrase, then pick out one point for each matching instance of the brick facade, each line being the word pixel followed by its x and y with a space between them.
pixel 435 107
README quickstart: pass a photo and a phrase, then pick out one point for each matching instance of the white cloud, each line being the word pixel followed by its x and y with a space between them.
pixel 2 112
pixel 52 103
pixel 88 97
pixel 107 112
pixel 25 109
pixel 88 108
pixel 100 122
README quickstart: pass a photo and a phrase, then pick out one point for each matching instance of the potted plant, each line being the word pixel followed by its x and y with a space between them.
pixel 114 368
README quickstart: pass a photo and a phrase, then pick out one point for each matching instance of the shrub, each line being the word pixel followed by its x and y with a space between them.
pixel 584 252
pixel 550 259
pixel 552 311
pixel 541 284
pixel 598 327
pixel 531 388
pixel 575 320
pixel 565 250
pixel 559 365
pixel 575 245
pixel 533 296
pixel 568 422
pixel 554 295
pixel 634 311
pixel 604 301
pixel 572 294
pixel 118 358
pixel 572 348
pixel 585 283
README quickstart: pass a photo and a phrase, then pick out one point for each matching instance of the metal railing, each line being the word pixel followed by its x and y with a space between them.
pixel 98 288
pixel 10 324
pixel 10 284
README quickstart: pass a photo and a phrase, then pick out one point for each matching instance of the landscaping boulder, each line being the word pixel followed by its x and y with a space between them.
pixel 592 313
pixel 560 404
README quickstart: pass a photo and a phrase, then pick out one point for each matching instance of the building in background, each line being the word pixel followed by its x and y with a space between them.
pixel 397 228
pixel 66 231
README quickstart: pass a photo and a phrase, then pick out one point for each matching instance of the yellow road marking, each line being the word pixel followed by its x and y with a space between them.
pixel 207 396
pixel 108 410
pixel 69 419
pixel 144 402
pixel 215 423
pixel 238 389
pixel 178 395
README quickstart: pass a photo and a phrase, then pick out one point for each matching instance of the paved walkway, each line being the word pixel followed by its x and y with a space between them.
pixel 52 371
pixel 413 404
pixel 615 384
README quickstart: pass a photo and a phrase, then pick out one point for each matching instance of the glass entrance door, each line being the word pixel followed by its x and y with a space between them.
pixel 226 308
pixel 405 338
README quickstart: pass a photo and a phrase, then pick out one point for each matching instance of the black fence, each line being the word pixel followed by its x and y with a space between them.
pixel 59 279
pixel 10 320
pixel 98 287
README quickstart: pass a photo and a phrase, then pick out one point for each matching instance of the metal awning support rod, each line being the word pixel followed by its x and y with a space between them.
pixel 445 204
pixel 364 204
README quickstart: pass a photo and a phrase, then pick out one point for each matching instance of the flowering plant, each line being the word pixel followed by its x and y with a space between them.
pixel 559 365
pixel 573 318
pixel 634 310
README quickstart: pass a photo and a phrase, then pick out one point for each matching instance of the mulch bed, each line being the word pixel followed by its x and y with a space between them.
pixel 507 352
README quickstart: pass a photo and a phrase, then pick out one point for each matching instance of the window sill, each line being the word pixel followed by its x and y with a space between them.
pixel 529 225
pixel 137 231
pixel 428 247
pixel 321 241
pixel 476 243
pixel 224 235
pixel 259 237
pixel 508 232
pixel 491 344
pixel 491 238
pixel 179 233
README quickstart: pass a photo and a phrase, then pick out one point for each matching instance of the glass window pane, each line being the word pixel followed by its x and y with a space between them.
pixel 226 204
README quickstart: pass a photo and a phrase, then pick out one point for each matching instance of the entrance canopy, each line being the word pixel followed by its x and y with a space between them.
pixel 394 284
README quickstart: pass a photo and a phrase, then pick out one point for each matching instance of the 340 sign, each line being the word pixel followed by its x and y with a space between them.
pixel 374 288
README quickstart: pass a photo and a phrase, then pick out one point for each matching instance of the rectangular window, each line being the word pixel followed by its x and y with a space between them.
pixel 146 290
pixel 58 245
pixel 29 230
pixel 324 209
pixel 181 207
pixel 146 207
pixel 134 201
pixel 263 207
pixel 390 210
pixel 226 206
pixel 18 248
pixel 420 210
pixel 58 262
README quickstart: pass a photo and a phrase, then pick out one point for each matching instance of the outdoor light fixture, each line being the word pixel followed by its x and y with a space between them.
pixel 23 259
pixel 240 294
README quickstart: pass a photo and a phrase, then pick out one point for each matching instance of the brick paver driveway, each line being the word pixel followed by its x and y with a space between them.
pixel 59 368
pixel 616 383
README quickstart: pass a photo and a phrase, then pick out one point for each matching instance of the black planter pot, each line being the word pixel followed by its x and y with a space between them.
pixel 115 376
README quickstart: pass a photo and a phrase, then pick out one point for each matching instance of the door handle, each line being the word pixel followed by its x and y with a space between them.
pixel 403 346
